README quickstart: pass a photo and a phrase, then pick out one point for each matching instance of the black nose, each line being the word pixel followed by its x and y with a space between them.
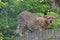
pixel 50 21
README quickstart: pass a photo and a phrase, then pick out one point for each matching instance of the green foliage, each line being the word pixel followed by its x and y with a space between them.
pixel 2 4
pixel 10 38
pixel 55 24
pixel 39 14
pixel 53 14
pixel 31 5
pixel 1 38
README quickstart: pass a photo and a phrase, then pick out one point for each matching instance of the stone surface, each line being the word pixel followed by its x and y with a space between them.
pixel 44 35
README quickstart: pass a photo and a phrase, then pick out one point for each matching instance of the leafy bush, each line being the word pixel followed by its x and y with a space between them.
pixel 39 14
pixel 1 36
